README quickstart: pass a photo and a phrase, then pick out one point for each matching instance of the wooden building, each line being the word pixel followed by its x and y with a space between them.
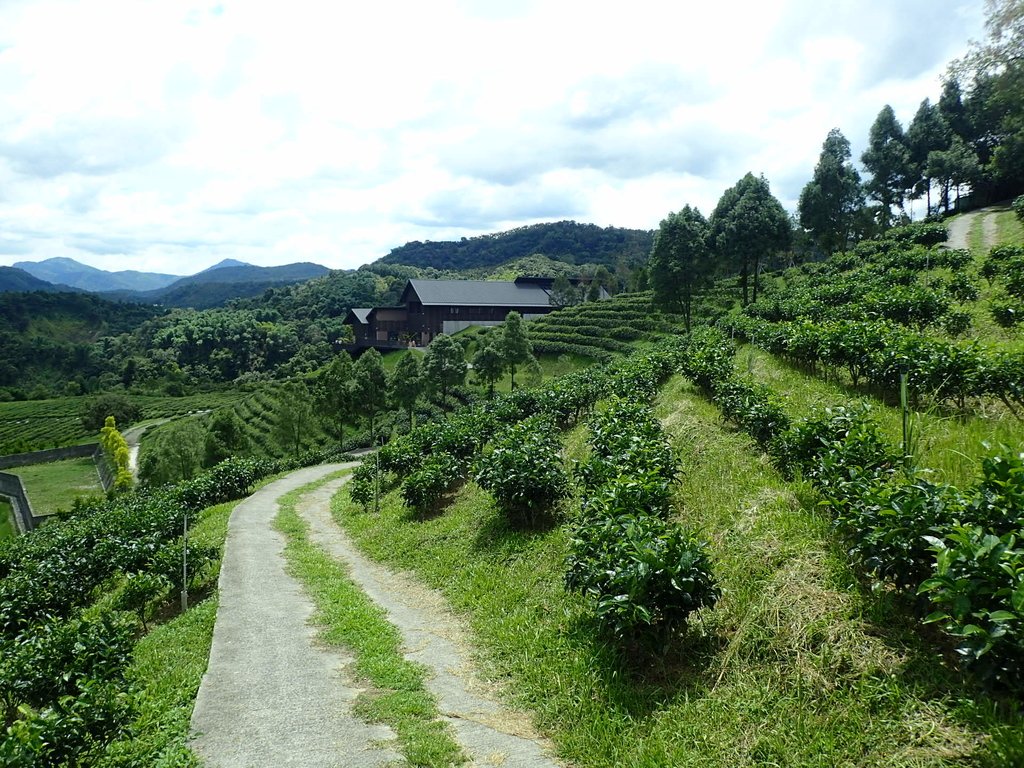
pixel 430 307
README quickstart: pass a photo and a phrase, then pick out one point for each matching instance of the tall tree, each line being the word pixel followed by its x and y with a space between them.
pixel 928 132
pixel 294 415
pixel 444 365
pixel 515 344
pixel 335 395
pixel 829 202
pixel 953 168
pixel 225 437
pixel 564 293
pixel 680 262
pixel 371 386
pixel 747 226
pixel 489 365
pixel 406 384
pixel 995 106
pixel 888 161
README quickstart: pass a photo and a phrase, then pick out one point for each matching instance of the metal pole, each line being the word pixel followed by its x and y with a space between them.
pixel 905 409
pixel 184 563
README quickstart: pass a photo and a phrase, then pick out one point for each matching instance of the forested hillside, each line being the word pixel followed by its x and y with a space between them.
pixel 14 279
pixel 46 338
pixel 564 240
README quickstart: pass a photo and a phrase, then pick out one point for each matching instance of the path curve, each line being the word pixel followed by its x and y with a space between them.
pixel 488 733
pixel 959 228
pixel 272 695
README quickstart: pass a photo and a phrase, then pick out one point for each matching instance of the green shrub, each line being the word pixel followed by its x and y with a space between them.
pixel 523 470
pixel 1018 207
pixel 978 595
pixel 643 576
pixel 425 489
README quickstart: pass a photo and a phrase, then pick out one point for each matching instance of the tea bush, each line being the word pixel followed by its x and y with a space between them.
pixel 523 470
pixel 644 576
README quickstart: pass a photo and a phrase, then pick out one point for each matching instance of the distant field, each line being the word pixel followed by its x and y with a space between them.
pixel 54 486
pixel 6 521
pixel 31 425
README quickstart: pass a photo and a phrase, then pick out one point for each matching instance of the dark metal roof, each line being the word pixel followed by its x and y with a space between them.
pixel 476 293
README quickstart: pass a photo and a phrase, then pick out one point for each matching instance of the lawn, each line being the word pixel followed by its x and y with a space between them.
pixel 55 486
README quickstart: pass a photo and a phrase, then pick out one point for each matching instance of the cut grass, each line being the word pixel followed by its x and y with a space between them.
pixel 1009 229
pixel 794 666
pixel 348 618
pixel 949 446
pixel 54 486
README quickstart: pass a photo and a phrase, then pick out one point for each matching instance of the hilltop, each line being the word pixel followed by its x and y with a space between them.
pixel 566 241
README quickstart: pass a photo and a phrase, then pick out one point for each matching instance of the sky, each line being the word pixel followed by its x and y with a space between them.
pixel 167 135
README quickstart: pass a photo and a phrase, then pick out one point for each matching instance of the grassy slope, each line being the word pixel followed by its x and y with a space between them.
pixel 168 667
pixel 55 486
pixel 950 445
pixel 795 666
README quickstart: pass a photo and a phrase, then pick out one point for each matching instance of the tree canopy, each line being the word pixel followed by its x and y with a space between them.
pixel 746 227
pixel 680 261
pixel 887 159
pixel 831 199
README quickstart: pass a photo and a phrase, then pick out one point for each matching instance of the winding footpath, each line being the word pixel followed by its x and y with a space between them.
pixel 273 696
pixel 959 228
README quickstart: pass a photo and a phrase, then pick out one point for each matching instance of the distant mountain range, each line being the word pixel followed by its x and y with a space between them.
pixel 226 280
pixel 63 271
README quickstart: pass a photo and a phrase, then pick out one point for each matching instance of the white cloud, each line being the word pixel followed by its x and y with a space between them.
pixel 168 135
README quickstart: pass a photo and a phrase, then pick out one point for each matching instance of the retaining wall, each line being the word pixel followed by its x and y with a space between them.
pixel 44 457
pixel 11 487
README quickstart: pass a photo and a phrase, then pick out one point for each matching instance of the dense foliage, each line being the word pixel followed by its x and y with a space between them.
pixel 957 547
pixel 563 240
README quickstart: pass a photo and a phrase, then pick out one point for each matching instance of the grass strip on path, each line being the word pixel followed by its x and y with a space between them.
pixel 350 619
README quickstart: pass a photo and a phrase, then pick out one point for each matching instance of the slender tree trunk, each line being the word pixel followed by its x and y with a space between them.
pixel 743 281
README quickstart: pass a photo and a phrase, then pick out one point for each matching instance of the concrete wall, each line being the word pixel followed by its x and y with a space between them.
pixel 44 457
pixel 11 487
pixel 107 475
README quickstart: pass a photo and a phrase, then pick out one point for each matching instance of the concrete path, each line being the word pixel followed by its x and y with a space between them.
pixel 489 734
pixel 271 695
pixel 959 228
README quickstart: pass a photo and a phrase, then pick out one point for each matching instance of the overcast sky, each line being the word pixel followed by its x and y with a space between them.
pixel 168 135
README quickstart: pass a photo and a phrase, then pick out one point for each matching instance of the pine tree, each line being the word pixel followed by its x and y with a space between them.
pixel 515 344
pixel 831 199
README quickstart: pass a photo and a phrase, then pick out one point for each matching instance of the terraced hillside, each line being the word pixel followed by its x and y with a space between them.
pixel 599 329
pixel 33 425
